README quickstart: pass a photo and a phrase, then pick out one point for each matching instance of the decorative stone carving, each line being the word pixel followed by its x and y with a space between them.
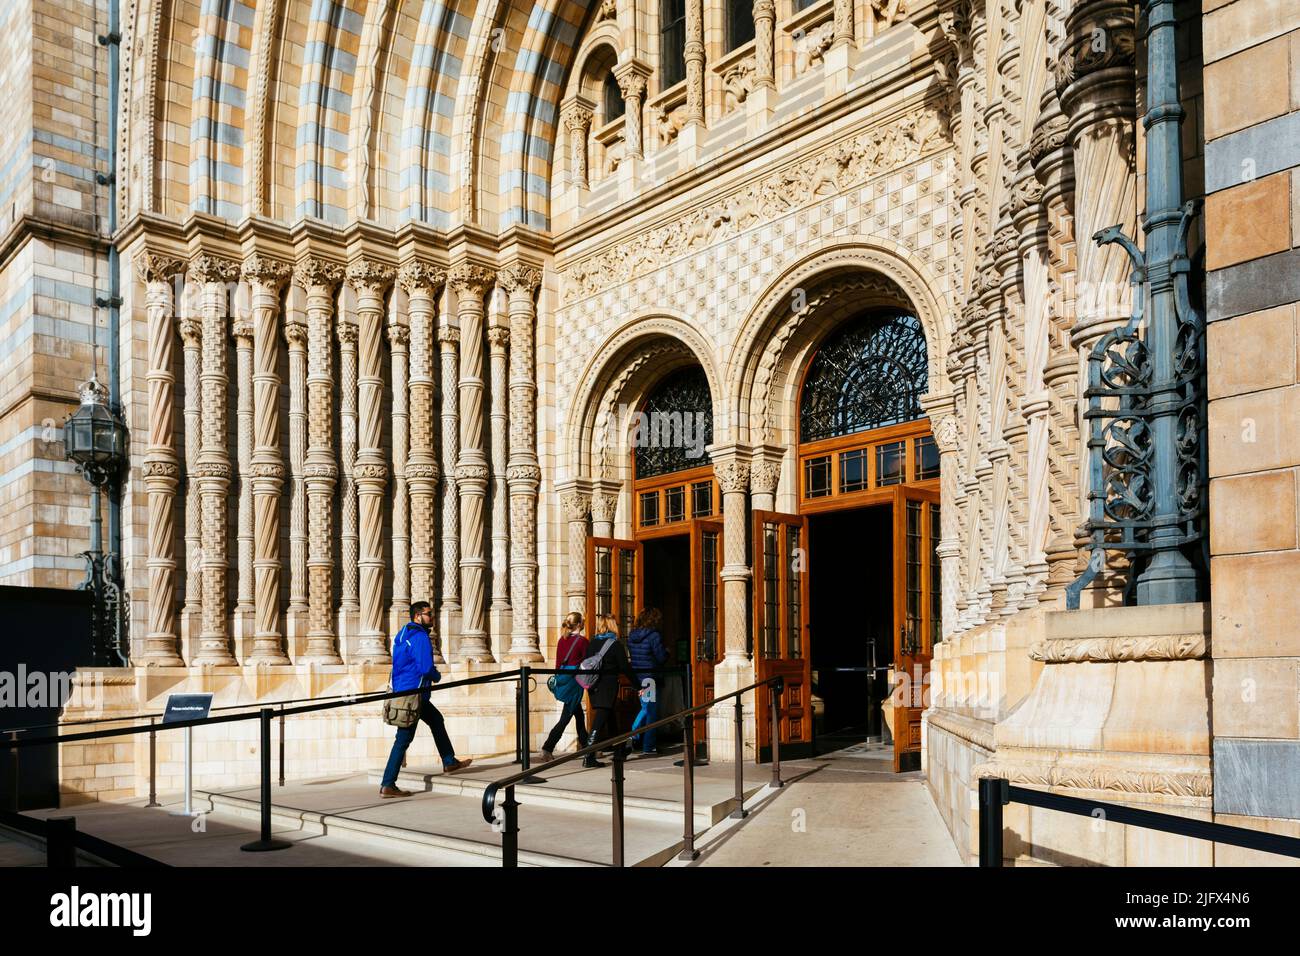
pixel 732 476
pixel 1099 778
pixel 668 123
pixel 1160 647
pixel 737 83
pixel 812 46
pixel 608 10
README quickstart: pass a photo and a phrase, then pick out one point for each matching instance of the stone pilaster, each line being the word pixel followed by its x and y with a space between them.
pixel 349 615
pixel 694 112
pixel 764 45
pixel 191 331
pixel 266 277
pixel 448 343
pixel 213 470
pixel 575 503
pixel 241 330
pixel 498 342
pixel 521 282
pixel 732 475
pixel 422 284
pixel 577 115
pixel 161 464
pixel 370 280
pixel 470 282
pixel 631 77
pixel 399 337
pixel 320 278
pixel 295 334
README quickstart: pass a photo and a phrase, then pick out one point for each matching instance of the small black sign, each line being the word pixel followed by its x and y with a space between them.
pixel 186 707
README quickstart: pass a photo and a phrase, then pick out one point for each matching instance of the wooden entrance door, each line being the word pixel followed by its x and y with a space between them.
pixel 916 615
pixel 781 630
pixel 706 615
pixel 614 581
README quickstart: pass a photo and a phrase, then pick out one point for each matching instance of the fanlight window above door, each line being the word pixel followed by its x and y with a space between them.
pixel 674 426
pixel 868 374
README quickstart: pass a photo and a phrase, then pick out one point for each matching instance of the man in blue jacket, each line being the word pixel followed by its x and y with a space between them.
pixel 413 669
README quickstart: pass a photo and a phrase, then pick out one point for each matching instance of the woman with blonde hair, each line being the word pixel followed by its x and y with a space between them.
pixel 569 653
pixel 604 692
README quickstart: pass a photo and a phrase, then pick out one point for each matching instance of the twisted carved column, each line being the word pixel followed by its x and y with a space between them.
pixel 733 482
pixel 213 469
pixel 241 329
pixel 295 334
pixel 632 83
pixel 370 280
pixel 191 330
pixel 349 546
pixel 320 278
pixel 694 112
pixel 266 278
pixel 470 282
pixel 575 505
pixel 448 338
pixel 161 466
pixel 521 282
pixel 421 283
pixel 498 340
pixel 764 55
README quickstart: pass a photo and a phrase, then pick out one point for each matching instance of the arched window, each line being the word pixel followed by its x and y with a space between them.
pixel 672 42
pixel 674 426
pixel 613 97
pixel 740 23
pixel 868 374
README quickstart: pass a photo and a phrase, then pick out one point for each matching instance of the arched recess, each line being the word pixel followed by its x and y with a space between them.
pixel 625 367
pixel 814 294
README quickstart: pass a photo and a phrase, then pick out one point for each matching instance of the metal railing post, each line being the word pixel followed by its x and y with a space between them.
pixel 740 812
pixel 265 842
pixel 519 720
pixel 14 769
pixel 282 745
pixel 993 795
pixel 61 842
pixel 510 833
pixel 616 787
pixel 527 744
pixel 688 779
pixel 776 734
pixel 153 764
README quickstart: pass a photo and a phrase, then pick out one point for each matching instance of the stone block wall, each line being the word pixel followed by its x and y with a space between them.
pixel 1252 221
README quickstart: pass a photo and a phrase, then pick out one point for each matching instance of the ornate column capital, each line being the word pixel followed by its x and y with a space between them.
pixel 575 504
pixel 295 333
pixel 317 275
pixel 241 327
pixel 420 279
pixel 399 334
pixel 468 280
pixel 269 273
pixel 498 337
pixel 347 332
pixel 151 267
pixel 191 330
pixel 732 476
pixel 577 113
pixel 520 278
pixel 764 476
pixel 448 334
pixel 631 76
pixel 369 278
pixel 207 268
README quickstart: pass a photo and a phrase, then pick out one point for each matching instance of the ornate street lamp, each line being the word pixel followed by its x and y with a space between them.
pixel 95 439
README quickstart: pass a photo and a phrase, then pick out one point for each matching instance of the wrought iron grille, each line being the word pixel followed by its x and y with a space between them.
pixel 869 374
pixel 675 425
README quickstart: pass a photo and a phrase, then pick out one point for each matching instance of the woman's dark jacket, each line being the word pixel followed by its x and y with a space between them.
pixel 646 648
pixel 605 691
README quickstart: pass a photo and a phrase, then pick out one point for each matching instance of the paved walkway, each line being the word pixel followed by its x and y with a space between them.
pixel 843 809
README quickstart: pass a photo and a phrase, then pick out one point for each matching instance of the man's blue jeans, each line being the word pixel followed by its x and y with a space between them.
pixel 430 715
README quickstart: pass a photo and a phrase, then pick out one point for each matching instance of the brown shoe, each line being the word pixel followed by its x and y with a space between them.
pixel 458 766
pixel 547 756
pixel 387 792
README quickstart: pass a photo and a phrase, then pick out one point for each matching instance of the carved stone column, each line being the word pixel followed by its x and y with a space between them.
pixel 448 340
pixel 266 277
pixel 241 329
pixel 575 503
pixel 370 280
pixel 694 112
pixel 399 335
pixel 320 278
pixel 295 334
pixel 161 465
pixel 764 476
pixel 520 282
pixel 577 114
pixel 764 55
pixel 498 341
pixel 213 469
pixel 843 23
pixel 604 505
pixel 422 283
pixel 191 330
pixel 470 282
pixel 732 475
pixel 631 77
pixel 349 543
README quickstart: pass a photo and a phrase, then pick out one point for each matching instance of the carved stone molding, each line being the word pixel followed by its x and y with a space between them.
pixel 370 471
pixel 320 471
pixel 161 469
pixel 524 473
pixel 428 471
pixel 969 729
pixel 152 267
pixel 267 470
pixel 471 473
pixel 210 469
pixel 1163 647
pixel 1099 778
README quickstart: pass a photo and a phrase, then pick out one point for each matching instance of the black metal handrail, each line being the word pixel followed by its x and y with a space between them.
pixel 63 839
pixel 996 792
pixel 510 806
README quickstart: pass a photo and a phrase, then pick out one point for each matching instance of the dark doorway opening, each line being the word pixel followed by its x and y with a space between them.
pixel 852 621
pixel 668 588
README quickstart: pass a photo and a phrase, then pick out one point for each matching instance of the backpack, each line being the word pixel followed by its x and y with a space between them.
pixel 589 669
pixel 563 686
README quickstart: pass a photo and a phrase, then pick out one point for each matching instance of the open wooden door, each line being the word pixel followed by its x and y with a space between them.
pixel 781 630
pixel 917 615
pixel 615 578
pixel 706 616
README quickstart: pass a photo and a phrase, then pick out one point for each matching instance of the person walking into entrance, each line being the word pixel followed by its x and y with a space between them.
pixel 646 648
pixel 604 693
pixel 413 669
pixel 569 653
